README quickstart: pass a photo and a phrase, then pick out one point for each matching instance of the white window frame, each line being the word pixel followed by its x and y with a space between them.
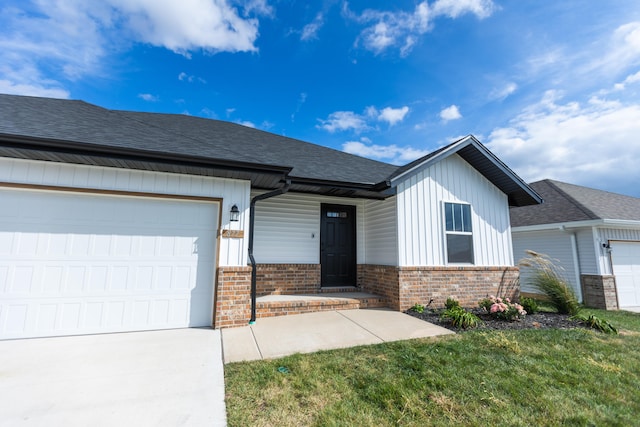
pixel 463 233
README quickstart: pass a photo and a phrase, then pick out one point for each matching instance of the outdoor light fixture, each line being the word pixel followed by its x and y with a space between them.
pixel 234 214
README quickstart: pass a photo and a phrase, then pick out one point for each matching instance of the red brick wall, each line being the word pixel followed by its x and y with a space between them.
pixel 380 280
pixel 406 286
pixel 287 279
pixel 468 285
pixel 599 291
pixel 233 297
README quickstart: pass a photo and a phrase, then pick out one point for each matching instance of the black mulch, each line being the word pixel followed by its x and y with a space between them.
pixel 531 321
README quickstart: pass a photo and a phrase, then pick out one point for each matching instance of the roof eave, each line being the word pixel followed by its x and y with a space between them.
pixel 612 223
pixel 521 195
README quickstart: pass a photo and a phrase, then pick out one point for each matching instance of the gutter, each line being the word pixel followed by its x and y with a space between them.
pixel 252 220
pixel 613 223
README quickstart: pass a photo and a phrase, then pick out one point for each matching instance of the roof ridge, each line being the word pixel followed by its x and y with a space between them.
pixel 572 200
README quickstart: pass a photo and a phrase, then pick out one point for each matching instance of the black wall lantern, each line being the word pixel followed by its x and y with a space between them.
pixel 234 214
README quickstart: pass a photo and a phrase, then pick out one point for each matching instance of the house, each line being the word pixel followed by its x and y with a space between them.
pixel 593 235
pixel 118 221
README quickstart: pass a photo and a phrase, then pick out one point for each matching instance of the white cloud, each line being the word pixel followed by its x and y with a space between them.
pixel 310 31
pixel 590 143
pixel 450 113
pixel 402 29
pixel 393 115
pixel 148 97
pixel 73 38
pixel 343 120
pixel 13 88
pixel 632 78
pixel 246 123
pixel 389 153
pixel 348 120
pixel 503 92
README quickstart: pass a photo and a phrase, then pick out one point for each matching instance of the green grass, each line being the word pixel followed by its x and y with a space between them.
pixel 531 377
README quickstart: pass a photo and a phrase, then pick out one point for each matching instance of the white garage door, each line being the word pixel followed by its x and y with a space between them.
pixel 625 257
pixel 76 263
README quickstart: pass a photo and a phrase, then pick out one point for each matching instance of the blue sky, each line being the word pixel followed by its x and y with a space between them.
pixel 551 87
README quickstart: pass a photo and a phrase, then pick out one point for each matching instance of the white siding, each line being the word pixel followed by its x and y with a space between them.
pixel 287 228
pixel 587 250
pixel 233 252
pixel 554 243
pixel 604 235
pixel 420 215
pixel 381 232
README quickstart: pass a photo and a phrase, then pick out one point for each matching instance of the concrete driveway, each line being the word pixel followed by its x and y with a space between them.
pixel 158 378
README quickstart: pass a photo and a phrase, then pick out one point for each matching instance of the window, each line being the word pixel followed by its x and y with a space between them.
pixel 458 230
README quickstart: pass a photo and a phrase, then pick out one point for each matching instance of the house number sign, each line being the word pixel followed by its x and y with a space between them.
pixel 233 234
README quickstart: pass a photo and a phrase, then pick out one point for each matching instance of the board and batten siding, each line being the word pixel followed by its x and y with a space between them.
pixel 381 232
pixel 554 243
pixel 287 228
pixel 232 252
pixel 420 198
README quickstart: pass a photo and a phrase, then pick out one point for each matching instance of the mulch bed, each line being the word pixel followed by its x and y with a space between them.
pixel 531 321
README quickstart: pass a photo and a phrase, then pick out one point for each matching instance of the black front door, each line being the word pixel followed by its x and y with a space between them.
pixel 338 245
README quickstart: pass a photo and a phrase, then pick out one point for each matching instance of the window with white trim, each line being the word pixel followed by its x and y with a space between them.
pixel 457 218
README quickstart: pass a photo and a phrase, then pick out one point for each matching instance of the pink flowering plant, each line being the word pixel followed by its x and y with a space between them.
pixel 503 308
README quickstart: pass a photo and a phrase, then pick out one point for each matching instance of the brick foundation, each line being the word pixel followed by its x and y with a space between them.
pixel 599 291
pixel 406 286
pixel 287 279
pixel 233 297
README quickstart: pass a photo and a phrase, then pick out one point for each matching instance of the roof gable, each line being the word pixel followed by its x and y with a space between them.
pixel 565 202
pixel 481 159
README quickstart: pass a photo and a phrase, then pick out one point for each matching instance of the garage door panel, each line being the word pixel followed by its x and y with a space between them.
pixel 76 275
pixel 625 258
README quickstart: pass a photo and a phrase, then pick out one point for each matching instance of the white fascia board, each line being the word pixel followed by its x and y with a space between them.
pixel 612 223
pixel 423 165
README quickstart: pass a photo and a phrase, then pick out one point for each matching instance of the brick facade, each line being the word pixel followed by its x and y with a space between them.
pixel 401 287
pixel 468 285
pixel 287 279
pixel 599 291
pixel 406 286
pixel 233 297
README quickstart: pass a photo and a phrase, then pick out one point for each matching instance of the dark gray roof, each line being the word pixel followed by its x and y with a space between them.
pixel 78 132
pixel 569 203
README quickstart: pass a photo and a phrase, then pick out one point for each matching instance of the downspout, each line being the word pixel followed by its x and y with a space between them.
pixel 252 220
pixel 576 260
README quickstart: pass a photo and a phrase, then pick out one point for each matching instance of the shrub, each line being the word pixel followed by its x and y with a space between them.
pixel 418 308
pixel 461 318
pixel 503 308
pixel 595 322
pixel 548 280
pixel 530 305
pixel 451 304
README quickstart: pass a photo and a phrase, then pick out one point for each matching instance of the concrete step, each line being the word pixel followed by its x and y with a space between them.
pixel 283 305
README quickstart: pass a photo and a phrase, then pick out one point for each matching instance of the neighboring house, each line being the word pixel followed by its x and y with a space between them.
pixel 119 221
pixel 593 235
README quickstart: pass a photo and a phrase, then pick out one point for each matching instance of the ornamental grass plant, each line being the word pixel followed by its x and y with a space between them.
pixel 547 278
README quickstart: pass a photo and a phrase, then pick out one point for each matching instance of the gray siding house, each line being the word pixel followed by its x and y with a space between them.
pixel 593 235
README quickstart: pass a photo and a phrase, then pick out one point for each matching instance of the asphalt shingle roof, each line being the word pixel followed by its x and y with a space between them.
pixel 569 203
pixel 46 118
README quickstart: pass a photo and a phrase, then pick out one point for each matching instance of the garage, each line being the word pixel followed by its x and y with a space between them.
pixel 625 259
pixel 84 262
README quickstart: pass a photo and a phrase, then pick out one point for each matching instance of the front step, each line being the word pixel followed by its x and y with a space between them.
pixel 283 305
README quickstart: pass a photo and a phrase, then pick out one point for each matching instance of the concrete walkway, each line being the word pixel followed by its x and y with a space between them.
pixel 306 333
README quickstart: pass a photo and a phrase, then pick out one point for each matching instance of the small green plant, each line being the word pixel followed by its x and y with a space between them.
pixel 461 318
pixel 503 309
pixel 595 322
pixel 548 280
pixel 530 305
pixel 418 308
pixel 451 304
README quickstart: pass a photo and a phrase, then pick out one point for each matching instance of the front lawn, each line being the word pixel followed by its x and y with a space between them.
pixel 525 377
